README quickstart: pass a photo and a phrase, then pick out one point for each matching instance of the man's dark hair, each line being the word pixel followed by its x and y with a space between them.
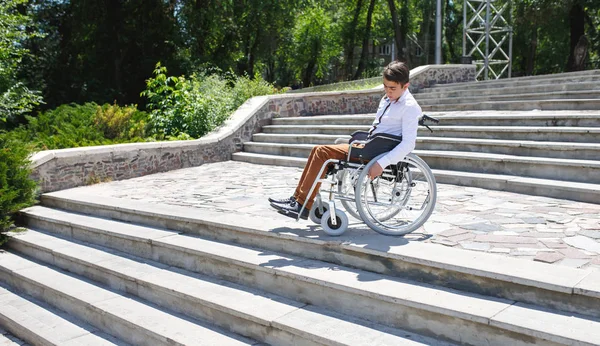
pixel 396 71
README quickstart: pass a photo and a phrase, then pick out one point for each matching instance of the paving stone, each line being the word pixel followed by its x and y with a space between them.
pixel 474 246
pixel 444 241
pixel 590 226
pixel 584 243
pixel 483 227
pixel 453 232
pixel 505 233
pixel 436 227
pixel 590 234
pixel 534 220
pixel 461 237
pixel 549 257
pixel 541 234
pixel 528 252
pixel 573 262
pixel 501 250
pixel 574 253
pixel 505 239
pixel 554 243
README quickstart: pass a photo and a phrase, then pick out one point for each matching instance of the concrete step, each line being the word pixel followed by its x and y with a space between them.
pixel 439 312
pixel 517 105
pixel 490 118
pixel 584 192
pixel 39 324
pixel 570 77
pixel 267 143
pixel 531 133
pixel 119 315
pixel 523 98
pixel 551 87
pixel 266 317
pixel 585 171
pixel 556 287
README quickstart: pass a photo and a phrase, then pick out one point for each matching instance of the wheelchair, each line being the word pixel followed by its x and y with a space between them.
pixel 397 202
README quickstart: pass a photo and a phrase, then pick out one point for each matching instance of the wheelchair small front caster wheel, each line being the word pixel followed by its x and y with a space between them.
pixel 315 214
pixel 341 223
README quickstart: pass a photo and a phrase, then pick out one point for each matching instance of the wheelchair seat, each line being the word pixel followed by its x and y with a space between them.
pixel 377 144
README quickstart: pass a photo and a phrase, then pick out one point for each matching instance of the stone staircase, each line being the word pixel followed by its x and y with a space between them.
pixel 534 135
pixel 98 270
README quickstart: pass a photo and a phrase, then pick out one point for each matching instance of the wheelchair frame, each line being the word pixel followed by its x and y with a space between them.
pixel 334 221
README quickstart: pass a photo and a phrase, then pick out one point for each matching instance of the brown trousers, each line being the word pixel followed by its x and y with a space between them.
pixel 317 157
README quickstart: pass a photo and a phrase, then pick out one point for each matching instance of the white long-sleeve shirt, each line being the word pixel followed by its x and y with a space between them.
pixel 400 118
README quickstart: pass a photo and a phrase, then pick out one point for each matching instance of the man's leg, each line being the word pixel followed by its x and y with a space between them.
pixel 316 159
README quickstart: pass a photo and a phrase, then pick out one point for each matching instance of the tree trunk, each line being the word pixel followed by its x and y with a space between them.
pixel 403 52
pixel 532 53
pixel 365 45
pixel 397 31
pixel 351 40
pixel 577 26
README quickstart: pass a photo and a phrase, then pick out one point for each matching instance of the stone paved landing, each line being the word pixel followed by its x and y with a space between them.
pixel 543 229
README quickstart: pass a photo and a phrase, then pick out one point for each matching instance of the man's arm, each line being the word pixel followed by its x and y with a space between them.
pixel 410 125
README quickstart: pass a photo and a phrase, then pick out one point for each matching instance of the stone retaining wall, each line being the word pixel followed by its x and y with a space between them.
pixel 67 168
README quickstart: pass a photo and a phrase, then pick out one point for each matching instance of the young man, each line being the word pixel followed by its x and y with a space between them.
pixel 398 114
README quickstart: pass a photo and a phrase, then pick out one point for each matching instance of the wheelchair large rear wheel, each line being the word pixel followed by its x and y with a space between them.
pixel 400 200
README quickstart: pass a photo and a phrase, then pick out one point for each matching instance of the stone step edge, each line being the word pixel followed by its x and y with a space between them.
pixel 591 86
pixel 445 116
pixel 472 128
pixel 491 266
pixel 530 103
pixel 522 97
pixel 284 320
pixel 442 140
pixel 563 75
pixel 472 308
pixel 466 155
pixel 523 89
pixel 113 310
pixel 25 323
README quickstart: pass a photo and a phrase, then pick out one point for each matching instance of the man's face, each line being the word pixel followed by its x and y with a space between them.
pixel 394 90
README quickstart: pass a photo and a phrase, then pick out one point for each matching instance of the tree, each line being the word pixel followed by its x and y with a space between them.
pixel 315 43
pixel 16 99
pixel 365 44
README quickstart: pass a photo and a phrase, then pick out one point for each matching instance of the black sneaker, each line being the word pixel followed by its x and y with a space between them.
pixel 289 200
pixel 292 210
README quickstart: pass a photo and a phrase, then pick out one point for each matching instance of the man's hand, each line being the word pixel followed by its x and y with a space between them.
pixel 375 171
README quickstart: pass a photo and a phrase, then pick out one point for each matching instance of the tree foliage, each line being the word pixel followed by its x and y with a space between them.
pixel 16 99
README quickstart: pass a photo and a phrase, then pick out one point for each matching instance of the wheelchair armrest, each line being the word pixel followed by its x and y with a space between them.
pixel 359 136
pixel 378 144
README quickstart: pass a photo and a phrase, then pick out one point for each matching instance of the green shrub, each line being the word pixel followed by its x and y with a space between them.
pixel 183 107
pixel 17 190
pixel 67 126
pixel 70 126
pixel 121 123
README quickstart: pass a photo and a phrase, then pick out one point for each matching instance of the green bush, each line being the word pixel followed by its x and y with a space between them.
pixel 183 107
pixel 70 126
pixel 121 123
pixel 17 190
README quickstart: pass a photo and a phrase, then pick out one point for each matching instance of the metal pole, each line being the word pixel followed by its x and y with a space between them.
pixel 486 61
pixel 464 28
pixel 438 33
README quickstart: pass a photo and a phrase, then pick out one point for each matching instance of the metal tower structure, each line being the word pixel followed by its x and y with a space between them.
pixel 487 37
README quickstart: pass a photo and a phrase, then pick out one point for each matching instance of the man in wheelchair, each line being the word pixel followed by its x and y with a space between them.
pixel 397 115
